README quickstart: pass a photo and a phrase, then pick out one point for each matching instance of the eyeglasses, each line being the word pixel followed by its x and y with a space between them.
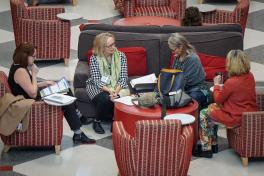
pixel 110 46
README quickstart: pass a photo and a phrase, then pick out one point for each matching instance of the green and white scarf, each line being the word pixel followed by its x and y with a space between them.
pixel 115 69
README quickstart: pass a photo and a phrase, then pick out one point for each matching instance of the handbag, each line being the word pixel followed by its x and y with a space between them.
pixel 171 90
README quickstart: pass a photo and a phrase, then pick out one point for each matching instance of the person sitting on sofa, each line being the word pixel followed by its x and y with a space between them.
pixel 108 70
pixel 230 101
pixel 22 79
pixel 188 61
pixel 192 17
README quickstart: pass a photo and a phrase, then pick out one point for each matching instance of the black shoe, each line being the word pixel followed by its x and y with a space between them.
pixel 86 120
pixel 215 148
pixel 98 127
pixel 205 154
pixel 82 138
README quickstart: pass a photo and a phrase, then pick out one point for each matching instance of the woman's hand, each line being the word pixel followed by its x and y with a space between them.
pixel 49 83
pixel 114 96
pixel 45 83
pixel 217 80
pixel 34 69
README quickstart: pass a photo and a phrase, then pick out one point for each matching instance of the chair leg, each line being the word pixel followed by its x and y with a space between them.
pixel 74 2
pixel 6 148
pixel 57 149
pixel 244 161
pixel 66 62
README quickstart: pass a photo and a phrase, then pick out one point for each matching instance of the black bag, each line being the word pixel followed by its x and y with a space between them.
pixel 170 87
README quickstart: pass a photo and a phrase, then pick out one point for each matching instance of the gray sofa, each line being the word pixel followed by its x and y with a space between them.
pixel 213 40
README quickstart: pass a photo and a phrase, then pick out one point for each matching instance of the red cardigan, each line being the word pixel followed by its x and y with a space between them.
pixel 238 95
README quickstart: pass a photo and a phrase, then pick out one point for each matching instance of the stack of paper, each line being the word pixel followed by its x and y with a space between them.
pixel 148 79
pixel 59 99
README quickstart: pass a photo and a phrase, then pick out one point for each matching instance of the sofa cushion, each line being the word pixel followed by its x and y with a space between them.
pixel 211 64
pixel 136 60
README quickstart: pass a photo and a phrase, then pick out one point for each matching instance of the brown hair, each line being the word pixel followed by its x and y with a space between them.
pixel 237 63
pixel 22 52
pixel 192 17
pixel 100 42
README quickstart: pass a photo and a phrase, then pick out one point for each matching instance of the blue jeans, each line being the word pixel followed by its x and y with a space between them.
pixel 200 98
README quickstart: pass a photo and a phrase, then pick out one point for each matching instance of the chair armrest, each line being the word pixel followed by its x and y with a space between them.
pixel 186 145
pixel 218 16
pixel 41 109
pixel 82 73
pixel 44 13
pixel 124 147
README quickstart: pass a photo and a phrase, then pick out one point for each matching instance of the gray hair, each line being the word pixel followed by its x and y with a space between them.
pixel 176 40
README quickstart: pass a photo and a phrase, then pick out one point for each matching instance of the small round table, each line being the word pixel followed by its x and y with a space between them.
pixel 147 20
pixel 69 16
pixel 185 119
pixel 129 115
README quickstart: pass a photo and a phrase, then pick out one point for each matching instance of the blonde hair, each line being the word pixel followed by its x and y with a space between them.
pixel 237 63
pixel 176 40
pixel 99 43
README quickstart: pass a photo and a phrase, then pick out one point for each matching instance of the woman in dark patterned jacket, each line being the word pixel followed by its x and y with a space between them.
pixel 108 70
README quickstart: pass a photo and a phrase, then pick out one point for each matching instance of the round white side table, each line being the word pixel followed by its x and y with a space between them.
pixel 69 16
pixel 185 119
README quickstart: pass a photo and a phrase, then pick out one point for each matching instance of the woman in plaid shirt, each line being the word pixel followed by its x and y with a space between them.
pixel 108 70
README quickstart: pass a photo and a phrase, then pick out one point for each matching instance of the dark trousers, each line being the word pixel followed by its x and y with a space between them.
pixel 104 107
pixel 71 115
pixel 200 98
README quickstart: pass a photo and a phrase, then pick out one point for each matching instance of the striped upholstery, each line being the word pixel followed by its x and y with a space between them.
pixel 163 11
pixel 160 147
pixel 248 140
pixel 238 15
pixel 45 125
pixel 156 3
pixel 164 8
pixel 40 26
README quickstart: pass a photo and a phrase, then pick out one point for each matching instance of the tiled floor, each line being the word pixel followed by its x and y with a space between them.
pixel 98 159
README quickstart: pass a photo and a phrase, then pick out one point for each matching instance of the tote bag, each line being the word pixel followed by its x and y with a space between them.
pixel 171 90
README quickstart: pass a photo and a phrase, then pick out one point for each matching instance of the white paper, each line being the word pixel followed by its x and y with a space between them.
pixel 151 78
pixel 60 98
pixel 127 100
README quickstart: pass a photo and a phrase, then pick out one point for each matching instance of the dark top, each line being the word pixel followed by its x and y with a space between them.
pixel 16 88
pixel 193 72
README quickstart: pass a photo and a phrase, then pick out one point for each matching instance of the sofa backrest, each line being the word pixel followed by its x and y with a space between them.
pixel 213 40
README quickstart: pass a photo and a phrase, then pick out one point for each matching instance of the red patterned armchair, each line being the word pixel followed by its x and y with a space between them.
pixel 160 147
pixel 45 125
pixel 238 15
pixel 164 8
pixel 40 26
pixel 248 139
